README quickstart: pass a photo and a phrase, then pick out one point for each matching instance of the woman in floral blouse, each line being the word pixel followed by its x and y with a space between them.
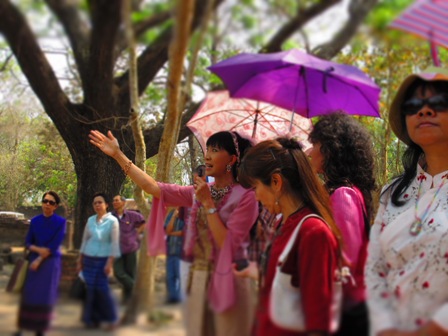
pixel 407 266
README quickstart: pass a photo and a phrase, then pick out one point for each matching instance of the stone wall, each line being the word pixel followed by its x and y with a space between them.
pixel 69 274
pixel 13 233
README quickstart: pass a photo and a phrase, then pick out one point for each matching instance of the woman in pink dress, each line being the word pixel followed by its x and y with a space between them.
pixel 343 155
pixel 218 303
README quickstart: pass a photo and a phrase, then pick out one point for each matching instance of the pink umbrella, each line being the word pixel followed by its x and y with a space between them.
pixel 427 19
pixel 251 119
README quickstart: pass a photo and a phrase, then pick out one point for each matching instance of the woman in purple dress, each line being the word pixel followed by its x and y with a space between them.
pixel 43 242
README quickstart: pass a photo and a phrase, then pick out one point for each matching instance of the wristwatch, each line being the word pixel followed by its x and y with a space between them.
pixel 211 211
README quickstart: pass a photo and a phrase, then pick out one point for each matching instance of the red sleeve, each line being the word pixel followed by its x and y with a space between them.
pixel 317 262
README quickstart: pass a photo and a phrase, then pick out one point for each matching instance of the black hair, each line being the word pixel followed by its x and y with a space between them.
pixel 286 157
pixel 224 140
pixel 348 155
pixel 413 153
pixel 56 197
pixel 103 195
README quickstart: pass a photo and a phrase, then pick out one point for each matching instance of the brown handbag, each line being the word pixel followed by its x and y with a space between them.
pixel 17 279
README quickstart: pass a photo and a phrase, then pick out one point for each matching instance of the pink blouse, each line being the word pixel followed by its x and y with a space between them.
pixel 238 212
pixel 347 205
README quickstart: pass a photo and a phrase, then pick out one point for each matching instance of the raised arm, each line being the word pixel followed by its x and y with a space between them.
pixel 109 145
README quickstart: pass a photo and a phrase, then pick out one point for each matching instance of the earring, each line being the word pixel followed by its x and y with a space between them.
pixel 229 168
pixel 277 206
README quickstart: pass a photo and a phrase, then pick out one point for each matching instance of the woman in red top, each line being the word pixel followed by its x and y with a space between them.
pixel 284 182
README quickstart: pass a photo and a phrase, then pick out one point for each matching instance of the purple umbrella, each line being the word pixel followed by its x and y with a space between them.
pixel 300 82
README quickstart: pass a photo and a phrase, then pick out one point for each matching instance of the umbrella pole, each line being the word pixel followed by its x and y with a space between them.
pixel 257 113
pixel 434 54
pixel 295 100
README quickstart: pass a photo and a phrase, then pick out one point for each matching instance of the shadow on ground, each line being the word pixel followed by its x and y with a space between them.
pixel 66 321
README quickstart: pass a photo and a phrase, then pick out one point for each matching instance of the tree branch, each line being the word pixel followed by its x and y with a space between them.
pixel 358 11
pixel 106 19
pixel 5 63
pixel 141 27
pixel 76 29
pixel 155 20
pixel 302 17
pixel 31 59
pixel 153 135
pixel 152 59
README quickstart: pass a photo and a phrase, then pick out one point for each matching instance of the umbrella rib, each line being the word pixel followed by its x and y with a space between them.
pixel 283 120
pixel 230 111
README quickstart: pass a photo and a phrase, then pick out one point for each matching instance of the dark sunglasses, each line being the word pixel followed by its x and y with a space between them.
pixel 47 201
pixel 438 103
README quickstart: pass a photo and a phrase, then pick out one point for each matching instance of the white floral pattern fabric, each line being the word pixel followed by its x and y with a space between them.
pixel 407 275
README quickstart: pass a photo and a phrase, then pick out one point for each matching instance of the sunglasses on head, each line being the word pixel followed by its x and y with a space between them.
pixel 437 103
pixel 47 201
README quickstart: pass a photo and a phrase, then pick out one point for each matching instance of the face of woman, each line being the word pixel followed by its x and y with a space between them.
pixel 216 160
pixel 99 205
pixel 316 157
pixel 265 195
pixel 48 205
pixel 427 118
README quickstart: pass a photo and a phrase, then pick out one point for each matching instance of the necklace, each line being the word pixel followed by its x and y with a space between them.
pixel 417 226
pixel 218 193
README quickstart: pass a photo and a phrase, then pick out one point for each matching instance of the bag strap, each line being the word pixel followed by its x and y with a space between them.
pixel 292 239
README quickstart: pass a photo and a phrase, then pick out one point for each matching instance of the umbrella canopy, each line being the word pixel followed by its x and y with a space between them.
pixel 299 82
pixel 251 119
pixel 427 19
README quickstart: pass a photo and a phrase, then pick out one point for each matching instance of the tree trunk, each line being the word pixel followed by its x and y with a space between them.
pixel 141 293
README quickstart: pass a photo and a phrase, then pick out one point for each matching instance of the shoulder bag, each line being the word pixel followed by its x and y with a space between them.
pixel 285 307
pixel 18 275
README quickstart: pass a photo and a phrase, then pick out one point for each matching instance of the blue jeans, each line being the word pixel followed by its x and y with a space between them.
pixel 173 278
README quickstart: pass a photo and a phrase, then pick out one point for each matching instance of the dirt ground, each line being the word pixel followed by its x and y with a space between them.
pixel 67 313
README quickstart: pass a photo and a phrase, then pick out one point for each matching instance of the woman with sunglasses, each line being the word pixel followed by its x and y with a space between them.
pixel 222 213
pixel 43 241
pixel 407 265
pixel 99 248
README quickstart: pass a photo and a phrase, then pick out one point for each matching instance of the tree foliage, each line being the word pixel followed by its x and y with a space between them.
pixel 34 157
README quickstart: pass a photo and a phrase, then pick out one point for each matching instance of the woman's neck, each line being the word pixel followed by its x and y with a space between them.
pixel 100 215
pixel 289 206
pixel 436 162
pixel 224 181
pixel 47 214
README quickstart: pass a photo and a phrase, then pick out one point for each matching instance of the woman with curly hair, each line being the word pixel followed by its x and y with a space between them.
pixel 343 155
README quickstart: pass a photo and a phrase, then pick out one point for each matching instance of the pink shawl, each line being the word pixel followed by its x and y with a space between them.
pixel 238 211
